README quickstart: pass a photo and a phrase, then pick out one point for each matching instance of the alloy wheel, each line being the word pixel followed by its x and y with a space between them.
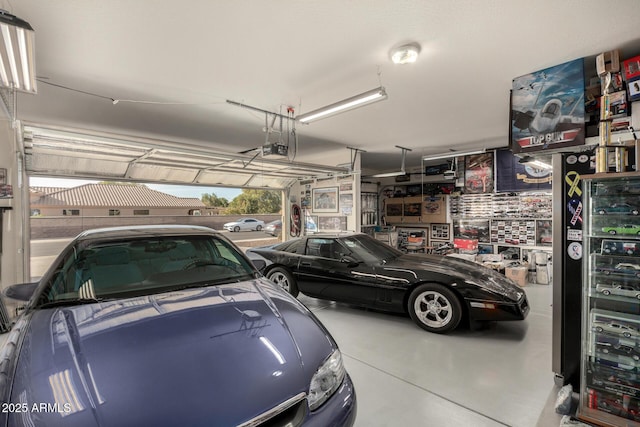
pixel 281 280
pixel 433 309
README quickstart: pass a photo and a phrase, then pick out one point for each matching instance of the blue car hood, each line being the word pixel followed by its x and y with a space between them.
pixel 207 356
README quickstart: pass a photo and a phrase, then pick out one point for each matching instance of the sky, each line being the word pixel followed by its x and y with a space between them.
pixel 175 190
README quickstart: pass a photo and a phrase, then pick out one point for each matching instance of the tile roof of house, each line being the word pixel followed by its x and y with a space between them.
pixel 46 190
pixel 113 195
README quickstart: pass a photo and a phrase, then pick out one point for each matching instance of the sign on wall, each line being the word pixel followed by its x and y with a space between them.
pixel 547 108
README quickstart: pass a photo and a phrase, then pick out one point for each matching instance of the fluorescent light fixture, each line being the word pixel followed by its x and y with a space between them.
pixel 357 101
pixel 402 166
pixel 538 164
pixel 452 154
pixel 388 174
pixel 17 57
pixel 405 54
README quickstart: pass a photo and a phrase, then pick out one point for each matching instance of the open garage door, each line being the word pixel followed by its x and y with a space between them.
pixel 61 152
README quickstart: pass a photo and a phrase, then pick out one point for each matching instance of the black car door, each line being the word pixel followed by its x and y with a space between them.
pixel 325 273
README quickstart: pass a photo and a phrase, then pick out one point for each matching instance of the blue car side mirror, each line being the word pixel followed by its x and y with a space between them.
pixel 260 264
pixel 21 292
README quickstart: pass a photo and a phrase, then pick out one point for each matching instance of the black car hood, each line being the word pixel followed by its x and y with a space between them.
pixel 458 269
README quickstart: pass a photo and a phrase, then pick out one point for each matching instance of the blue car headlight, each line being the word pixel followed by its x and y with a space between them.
pixel 326 380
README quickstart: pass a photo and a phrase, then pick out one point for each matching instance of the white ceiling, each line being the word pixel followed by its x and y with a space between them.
pixel 193 55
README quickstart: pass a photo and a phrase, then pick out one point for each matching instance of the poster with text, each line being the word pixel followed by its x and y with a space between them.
pixel 547 108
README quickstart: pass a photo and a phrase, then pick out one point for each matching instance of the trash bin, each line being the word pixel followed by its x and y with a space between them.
pixel 531 273
pixel 542 274
pixel 542 268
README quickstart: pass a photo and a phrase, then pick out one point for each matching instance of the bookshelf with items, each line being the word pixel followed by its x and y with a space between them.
pixel 369 211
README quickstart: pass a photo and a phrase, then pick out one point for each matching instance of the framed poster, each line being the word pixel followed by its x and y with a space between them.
pixel 544 236
pixel 325 199
pixel 547 108
pixel 472 229
pixel 440 232
pixel 393 207
pixel 346 203
pixel 310 223
pixel 513 232
pixel 478 173
pixel 412 208
pixel 346 186
pixel 332 223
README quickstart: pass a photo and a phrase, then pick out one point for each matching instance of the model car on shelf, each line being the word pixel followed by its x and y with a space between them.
pixel 167 326
pixel 615 405
pixel 602 373
pixel 608 189
pixel 617 208
pixel 437 291
pixel 620 269
pixel 616 328
pixel 616 247
pixel 618 349
pixel 622 229
pixel 621 289
pixel 244 224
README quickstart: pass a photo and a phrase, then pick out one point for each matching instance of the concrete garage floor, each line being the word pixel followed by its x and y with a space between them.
pixel 404 376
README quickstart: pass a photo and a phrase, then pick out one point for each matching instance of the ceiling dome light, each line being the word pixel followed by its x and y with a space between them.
pixel 405 54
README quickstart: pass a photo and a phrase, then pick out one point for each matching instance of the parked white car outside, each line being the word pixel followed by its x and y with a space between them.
pixel 243 224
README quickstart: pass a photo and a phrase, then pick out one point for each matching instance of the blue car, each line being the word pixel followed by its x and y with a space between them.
pixel 167 326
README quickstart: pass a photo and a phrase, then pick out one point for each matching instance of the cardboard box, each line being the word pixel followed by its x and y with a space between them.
pixel 517 274
pixel 608 62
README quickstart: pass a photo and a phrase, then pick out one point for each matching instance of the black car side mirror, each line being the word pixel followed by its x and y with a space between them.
pixel 351 262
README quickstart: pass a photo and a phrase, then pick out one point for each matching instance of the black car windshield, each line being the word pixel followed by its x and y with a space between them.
pixel 368 249
pixel 143 266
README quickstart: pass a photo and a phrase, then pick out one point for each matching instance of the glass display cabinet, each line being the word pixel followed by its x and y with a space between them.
pixel 610 360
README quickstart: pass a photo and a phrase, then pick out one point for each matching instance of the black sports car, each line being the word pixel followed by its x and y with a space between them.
pixel 437 291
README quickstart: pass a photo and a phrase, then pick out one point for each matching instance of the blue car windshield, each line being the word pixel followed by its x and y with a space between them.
pixel 143 266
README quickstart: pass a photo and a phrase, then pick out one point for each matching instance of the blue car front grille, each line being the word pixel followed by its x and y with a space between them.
pixel 291 412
